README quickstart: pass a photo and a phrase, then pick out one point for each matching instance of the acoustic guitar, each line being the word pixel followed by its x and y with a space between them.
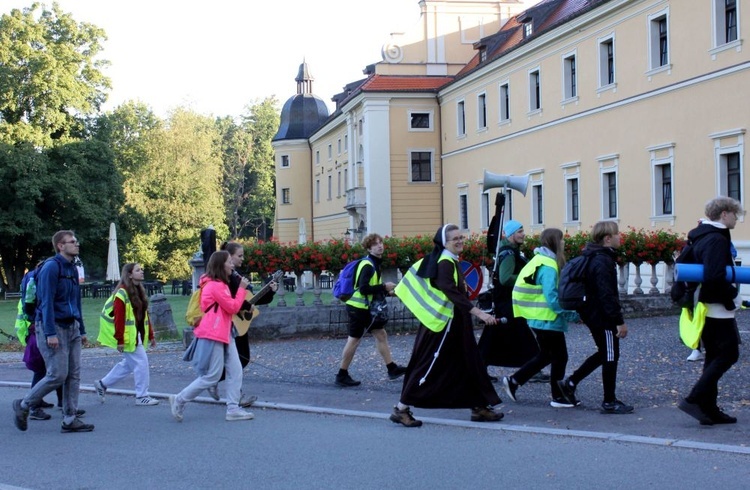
pixel 243 318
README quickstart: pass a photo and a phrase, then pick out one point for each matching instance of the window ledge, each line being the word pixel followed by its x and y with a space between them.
pixel 535 112
pixel 659 69
pixel 505 122
pixel 570 100
pixel 607 88
pixel 726 47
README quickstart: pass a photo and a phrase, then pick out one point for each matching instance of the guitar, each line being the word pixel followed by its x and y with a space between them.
pixel 243 318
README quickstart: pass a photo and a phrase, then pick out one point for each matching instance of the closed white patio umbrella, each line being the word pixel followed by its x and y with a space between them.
pixel 113 258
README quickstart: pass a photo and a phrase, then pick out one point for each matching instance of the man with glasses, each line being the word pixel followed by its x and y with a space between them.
pixel 60 334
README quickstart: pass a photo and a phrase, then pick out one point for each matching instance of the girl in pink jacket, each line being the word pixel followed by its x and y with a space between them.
pixel 215 349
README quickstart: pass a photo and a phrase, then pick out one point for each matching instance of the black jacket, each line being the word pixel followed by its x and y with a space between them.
pixel 602 308
pixel 714 252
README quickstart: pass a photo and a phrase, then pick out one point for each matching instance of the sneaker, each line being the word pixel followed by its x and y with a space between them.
pixel 404 417
pixel 178 409
pixel 345 380
pixel 247 401
pixel 146 401
pixel 79 412
pixel 540 377
pixel 39 414
pixel 561 403
pixel 616 407
pixel 695 411
pixel 20 415
pixel 696 355
pixel 44 404
pixel 100 389
pixel 510 388
pixel 397 372
pixel 718 416
pixel 77 425
pixel 486 414
pixel 213 392
pixel 568 391
pixel 239 414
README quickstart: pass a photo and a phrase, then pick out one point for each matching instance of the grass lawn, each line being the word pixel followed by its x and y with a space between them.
pixel 92 308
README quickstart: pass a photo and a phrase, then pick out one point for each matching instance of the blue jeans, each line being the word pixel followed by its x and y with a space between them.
pixel 63 369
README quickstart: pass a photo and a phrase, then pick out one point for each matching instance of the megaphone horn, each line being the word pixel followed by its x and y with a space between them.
pixel 516 182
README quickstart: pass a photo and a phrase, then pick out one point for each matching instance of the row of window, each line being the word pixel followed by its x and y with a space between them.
pixel 725 28
pixel 729 169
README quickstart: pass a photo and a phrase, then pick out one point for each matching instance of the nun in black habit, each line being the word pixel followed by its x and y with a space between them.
pixel 456 377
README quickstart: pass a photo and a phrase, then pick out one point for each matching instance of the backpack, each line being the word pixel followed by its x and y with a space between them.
pixel 194 312
pixel 683 292
pixel 28 288
pixel 571 289
pixel 344 287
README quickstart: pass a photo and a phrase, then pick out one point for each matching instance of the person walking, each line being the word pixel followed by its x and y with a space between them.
pixel 60 335
pixel 368 286
pixel 446 368
pixel 535 298
pixel 215 350
pixel 712 247
pixel 124 325
pixel 237 254
pixel 602 314
pixel 509 344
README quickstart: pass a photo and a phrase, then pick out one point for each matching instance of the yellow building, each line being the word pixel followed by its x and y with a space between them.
pixel 628 110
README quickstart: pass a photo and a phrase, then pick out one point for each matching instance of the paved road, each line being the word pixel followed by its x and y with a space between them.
pixel 349 441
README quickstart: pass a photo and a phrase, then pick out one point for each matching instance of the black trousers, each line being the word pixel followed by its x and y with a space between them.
pixel 552 350
pixel 606 356
pixel 721 341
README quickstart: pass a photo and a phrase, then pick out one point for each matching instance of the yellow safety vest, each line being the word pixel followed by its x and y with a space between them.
pixel 22 324
pixel 359 300
pixel 430 305
pixel 528 299
pixel 107 323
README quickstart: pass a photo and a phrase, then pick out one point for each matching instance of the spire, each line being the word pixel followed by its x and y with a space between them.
pixel 304 80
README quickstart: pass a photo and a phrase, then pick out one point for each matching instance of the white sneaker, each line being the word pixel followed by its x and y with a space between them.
pixel 146 401
pixel 696 355
pixel 239 414
pixel 177 408
pixel 100 389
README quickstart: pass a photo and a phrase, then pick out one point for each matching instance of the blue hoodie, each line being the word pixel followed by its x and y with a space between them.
pixel 58 296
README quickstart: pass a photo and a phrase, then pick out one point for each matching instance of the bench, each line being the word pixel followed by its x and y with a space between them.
pixel 9 295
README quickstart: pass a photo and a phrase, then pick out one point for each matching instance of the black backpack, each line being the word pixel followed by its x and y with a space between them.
pixel 571 289
pixel 683 292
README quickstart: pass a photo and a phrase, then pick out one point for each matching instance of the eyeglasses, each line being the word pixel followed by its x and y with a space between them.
pixel 71 242
pixel 459 238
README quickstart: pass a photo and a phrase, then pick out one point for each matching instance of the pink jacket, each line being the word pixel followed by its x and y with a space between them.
pixel 216 323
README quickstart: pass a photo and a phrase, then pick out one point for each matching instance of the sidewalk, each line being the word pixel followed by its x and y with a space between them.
pixel 298 374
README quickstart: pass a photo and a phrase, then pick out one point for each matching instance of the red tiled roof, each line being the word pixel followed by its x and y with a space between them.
pixel 396 83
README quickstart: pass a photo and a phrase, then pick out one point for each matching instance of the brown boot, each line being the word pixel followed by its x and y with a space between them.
pixel 486 414
pixel 404 417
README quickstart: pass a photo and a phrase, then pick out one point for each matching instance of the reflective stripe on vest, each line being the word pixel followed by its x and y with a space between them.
pixel 430 305
pixel 528 299
pixel 107 323
pixel 359 300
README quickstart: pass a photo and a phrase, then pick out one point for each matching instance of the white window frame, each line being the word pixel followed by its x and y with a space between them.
pixel 431 118
pixel 570 77
pixel 504 102
pixel 660 156
pixel 728 142
pixel 285 162
pixel 719 24
pixel 338 188
pixel 317 190
pixel 609 164
pixel 482 111
pixel 535 96
pixel 461 118
pixel 431 151
pixel 603 43
pixel 330 152
pixel 338 146
pixel 346 143
pixel 463 207
pixel 572 171
pixel 330 187
pixel 485 209
pixel 654 48
pixel 317 157
pixel 536 184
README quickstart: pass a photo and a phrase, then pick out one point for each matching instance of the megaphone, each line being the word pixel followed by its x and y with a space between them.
pixel 516 182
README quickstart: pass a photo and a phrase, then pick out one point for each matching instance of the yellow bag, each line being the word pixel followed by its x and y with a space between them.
pixel 691 325
pixel 194 313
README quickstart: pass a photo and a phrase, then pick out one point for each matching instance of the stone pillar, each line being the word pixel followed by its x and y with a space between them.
pixel 198 266
pixel 160 313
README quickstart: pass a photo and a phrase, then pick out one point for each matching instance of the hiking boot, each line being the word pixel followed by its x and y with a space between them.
pixel 718 416
pixel 510 388
pixel 44 404
pixel 213 392
pixel 20 415
pixel 396 372
pixel 616 407
pixel 80 413
pixel 178 409
pixel 485 414
pixel 568 390
pixel 77 425
pixel 238 414
pixel 345 380
pixel 100 389
pixel 146 401
pixel 39 414
pixel 561 403
pixel 695 411
pixel 404 417
pixel 247 401
pixel 540 377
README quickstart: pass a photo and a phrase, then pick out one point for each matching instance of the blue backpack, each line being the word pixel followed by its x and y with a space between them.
pixel 343 288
